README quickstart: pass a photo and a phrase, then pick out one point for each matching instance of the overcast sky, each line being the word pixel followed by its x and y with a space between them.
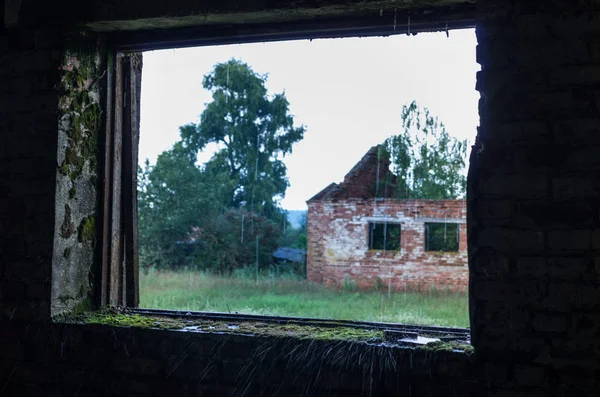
pixel 348 93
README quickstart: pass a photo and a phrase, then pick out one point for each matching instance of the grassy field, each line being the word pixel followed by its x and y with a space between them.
pixel 290 296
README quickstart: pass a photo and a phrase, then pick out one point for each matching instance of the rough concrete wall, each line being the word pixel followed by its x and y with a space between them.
pixel 80 121
pixel 338 246
pixel 533 199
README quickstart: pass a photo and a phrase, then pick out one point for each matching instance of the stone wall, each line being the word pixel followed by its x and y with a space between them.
pixel 338 246
pixel 102 360
pixel 533 199
pixel 29 97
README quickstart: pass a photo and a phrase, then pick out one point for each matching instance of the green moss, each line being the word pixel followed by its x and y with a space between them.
pixel 120 320
pixel 64 168
pixel 67 253
pixel 72 192
pixel 82 306
pixel 84 115
pixel 329 333
pixel 91 121
pixel 290 330
pixel 87 229
pixel 439 346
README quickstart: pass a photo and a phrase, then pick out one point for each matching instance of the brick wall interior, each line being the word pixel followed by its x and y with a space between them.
pixel 533 230
pixel 338 249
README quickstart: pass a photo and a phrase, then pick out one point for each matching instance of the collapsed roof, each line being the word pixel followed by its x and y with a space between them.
pixel 369 178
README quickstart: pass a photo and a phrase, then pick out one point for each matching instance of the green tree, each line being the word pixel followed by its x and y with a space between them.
pixel 253 132
pixel 211 216
pixel 173 196
pixel 426 161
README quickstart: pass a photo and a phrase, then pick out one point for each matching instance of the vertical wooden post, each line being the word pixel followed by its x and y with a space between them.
pixel 116 232
pixel 107 191
pixel 131 137
pixel 119 284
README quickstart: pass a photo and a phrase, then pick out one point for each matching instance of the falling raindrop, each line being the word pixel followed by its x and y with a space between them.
pixel 384 236
pixel 227 85
pixel 256 166
pixel 256 258
pixel 390 282
pixel 445 226
pixel 371 235
pixel 242 234
pixel 378 168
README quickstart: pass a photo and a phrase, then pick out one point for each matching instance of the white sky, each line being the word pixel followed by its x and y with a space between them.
pixel 347 92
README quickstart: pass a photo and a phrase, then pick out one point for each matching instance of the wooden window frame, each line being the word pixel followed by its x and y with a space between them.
pixel 119 285
pixel 119 267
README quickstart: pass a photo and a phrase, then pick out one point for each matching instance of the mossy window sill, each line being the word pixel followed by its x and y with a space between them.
pixel 120 318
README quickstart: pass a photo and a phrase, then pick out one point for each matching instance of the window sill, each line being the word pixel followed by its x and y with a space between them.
pixel 453 340
pixel 385 252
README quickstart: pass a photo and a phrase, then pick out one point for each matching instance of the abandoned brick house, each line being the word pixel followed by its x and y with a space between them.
pixel 357 232
pixel 533 199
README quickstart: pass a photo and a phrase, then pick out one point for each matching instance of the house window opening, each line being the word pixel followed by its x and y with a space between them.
pixel 443 237
pixel 384 236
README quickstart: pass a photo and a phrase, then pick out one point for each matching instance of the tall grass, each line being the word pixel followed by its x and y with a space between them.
pixel 289 295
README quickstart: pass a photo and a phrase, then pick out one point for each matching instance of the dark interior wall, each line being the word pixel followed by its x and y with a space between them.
pixel 29 61
pixel 96 360
pixel 533 214
pixel 533 192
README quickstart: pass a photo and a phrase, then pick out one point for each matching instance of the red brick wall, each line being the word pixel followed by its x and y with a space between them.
pixel 338 244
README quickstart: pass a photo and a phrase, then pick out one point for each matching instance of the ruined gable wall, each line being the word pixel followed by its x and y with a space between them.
pixel 338 245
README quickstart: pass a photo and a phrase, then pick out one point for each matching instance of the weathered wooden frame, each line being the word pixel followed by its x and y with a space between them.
pixel 119 267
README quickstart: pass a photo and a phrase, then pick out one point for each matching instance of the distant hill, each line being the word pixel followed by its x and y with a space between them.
pixel 295 217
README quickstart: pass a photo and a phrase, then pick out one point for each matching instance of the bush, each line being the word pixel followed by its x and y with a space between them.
pixel 229 241
pixel 379 284
pixel 349 285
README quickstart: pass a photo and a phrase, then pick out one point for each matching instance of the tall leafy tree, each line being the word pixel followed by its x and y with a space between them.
pixel 253 132
pixel 211 216
pixel 427 162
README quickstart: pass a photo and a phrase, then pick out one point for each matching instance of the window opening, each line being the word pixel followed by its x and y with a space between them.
pixel 228 221
pixel 384 236
pixel 442 237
